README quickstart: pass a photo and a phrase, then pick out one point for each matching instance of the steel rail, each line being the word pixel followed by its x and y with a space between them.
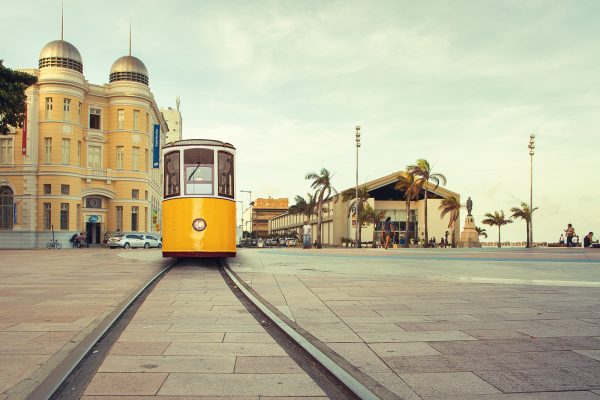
pixel 52 383
pixel 353 384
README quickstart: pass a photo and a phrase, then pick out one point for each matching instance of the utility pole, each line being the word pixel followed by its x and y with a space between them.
pixel 356 211
pixel 531 147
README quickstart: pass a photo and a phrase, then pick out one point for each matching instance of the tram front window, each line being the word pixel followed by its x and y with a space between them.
pixel 198 167
pixel 172 174
pixel 226 174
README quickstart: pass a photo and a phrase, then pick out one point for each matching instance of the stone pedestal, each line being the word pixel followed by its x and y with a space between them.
pixel 469 236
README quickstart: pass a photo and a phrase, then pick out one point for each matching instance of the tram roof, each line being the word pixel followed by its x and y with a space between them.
pixel 199 142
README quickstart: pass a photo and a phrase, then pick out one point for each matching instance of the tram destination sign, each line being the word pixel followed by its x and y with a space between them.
pixel 156 147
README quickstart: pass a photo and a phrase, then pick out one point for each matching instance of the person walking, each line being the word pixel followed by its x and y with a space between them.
pixel 306 231
pixel 570 233
pixel 387 230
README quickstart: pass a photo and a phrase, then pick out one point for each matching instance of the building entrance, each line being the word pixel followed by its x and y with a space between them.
pixel 93 232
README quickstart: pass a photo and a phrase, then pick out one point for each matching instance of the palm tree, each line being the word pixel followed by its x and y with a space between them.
pixel 525 214
pixel 363 196
pixel 481 232
pixel 422 170
pixel 497 219
pixel 323 189
pixel 411 187
pixel 451 206
pixel 371 216
pixel 303 206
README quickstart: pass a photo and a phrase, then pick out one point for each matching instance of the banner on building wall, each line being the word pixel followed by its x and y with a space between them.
pixel 24 138
pixel 156 147
pixel 15 214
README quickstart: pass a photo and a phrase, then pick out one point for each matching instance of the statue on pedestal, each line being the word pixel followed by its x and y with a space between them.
pixel 469 205
pixel 469 236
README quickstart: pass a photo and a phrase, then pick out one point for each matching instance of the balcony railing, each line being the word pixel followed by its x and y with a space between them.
pixel 103 174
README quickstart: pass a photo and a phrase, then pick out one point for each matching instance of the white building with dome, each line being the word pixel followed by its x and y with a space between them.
pixel 84 160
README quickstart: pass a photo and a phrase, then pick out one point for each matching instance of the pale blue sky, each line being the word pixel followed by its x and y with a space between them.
pixel 460 83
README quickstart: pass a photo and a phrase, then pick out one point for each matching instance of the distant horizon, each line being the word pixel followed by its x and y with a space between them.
pixel 461 84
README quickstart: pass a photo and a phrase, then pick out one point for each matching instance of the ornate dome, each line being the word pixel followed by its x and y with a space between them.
pixel 129 68
pixel 59 53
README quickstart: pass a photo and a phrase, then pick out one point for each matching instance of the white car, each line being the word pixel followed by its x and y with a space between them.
pixel 153 241
pixel 127 241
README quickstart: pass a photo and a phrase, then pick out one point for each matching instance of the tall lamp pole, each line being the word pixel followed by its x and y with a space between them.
pixel 356 226
pixel 249 204
pixel 531 147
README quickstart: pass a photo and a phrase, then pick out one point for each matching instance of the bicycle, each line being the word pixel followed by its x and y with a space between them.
pixel 53 245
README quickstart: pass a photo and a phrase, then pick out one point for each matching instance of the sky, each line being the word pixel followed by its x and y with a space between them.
pixel 460 83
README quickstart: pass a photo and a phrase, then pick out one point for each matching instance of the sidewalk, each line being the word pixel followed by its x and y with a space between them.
pixel 411 322
pixel 51 299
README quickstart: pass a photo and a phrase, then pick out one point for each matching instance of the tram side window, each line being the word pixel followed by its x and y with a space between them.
pixel 199 165
pixel 172 187
pixel 226 174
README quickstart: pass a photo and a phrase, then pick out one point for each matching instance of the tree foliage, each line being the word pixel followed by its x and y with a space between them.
pixel 524 213
pixel 422 170
pixel 12 97
pixel 451 206
pixel 321 183
pixel 411 186
pixel 363 196
pixel 497 219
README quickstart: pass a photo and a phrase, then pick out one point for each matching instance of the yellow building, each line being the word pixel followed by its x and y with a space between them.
pixel 84 160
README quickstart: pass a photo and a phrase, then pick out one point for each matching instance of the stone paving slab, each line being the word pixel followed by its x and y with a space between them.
pixel 223 353
pixel 51 300
pixel 447 324
pixel 239 385
pixel 448 383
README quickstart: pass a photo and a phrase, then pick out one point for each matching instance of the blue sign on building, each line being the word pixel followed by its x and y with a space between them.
pixel 156 147
pixel 15 213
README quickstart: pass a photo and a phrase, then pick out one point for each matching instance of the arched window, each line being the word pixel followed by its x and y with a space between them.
pixel 6 207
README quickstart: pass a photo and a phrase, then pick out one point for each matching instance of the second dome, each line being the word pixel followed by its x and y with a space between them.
pixel 129 68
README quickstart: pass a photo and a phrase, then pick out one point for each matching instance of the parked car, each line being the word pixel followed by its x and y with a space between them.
pixel 153 241
pixel 127 240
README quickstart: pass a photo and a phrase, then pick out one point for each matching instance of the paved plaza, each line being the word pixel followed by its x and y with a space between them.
pixel 446 323
pixel 426 324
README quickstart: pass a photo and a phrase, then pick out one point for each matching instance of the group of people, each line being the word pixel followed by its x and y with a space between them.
pixel 571 239
pixel 80 240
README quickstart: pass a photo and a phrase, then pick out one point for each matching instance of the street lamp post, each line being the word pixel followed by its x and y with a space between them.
pixel 250 204
pixel 242 215
pixel 356 226
pixel 531 147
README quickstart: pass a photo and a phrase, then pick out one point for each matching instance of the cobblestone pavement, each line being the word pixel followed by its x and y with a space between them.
pixel 446 323
pixel 51 299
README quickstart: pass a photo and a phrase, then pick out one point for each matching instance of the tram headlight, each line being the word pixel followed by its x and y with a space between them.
pixel 199 224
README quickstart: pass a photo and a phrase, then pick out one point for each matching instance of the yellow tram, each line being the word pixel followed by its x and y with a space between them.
pixel 198 212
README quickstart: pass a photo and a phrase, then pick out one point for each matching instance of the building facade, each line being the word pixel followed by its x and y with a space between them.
pixel 339 221
pixel 174 121
pixel 262 211
pixel 84 159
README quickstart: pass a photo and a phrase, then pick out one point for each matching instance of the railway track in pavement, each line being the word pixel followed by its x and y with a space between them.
pixel 79 374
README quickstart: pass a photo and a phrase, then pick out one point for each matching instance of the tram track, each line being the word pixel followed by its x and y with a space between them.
pixel 337 377
pixel 69 378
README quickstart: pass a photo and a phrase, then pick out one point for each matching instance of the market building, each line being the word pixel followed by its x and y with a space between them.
pixel 84 159
pixel 339 220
